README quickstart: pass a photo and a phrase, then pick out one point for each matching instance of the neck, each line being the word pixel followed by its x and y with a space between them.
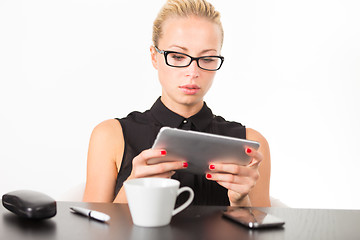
pixel 185 110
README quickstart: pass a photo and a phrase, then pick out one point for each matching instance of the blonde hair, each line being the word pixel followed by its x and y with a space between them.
pixel 185 8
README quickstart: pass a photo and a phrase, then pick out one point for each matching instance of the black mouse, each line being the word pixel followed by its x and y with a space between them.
pixel 29 204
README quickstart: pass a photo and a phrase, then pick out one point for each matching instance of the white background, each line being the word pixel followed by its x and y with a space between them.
pixel 291 71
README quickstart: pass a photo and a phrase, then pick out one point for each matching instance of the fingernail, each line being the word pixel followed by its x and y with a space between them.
pixel 185 164
pixel 212 167
pixel 208 175
pixel 248 150
pixel 163 152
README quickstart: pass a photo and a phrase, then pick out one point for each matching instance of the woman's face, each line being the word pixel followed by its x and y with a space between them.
pixel 195 36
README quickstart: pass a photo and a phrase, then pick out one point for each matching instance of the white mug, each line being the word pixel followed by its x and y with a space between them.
pixel 152 200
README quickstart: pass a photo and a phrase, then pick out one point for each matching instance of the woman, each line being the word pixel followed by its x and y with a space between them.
pixel 187 38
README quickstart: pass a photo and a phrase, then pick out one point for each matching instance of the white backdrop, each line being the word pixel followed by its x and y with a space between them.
pixel 291 71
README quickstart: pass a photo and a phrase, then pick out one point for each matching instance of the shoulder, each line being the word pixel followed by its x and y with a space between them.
pixel 254 135
pixel 225 123
pixel 107 128
pixel 138 124
pixel 137 117
pixel 228 128
pixel 108 132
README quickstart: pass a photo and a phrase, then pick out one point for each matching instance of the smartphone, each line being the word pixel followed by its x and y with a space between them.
pixel 252 218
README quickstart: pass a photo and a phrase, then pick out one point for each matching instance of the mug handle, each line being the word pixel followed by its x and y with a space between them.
pixel 185 204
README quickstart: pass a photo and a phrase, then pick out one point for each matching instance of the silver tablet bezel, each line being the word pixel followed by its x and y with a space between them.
pixel 200 149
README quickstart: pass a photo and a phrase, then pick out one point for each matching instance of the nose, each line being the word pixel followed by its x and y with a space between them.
pixel 193 70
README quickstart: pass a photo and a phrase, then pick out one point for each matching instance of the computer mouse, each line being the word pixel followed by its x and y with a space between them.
pixel 29 204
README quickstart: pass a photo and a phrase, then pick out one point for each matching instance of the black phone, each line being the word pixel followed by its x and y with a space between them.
pixel 252 217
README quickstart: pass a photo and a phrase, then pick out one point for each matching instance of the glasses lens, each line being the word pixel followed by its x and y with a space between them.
pixel 210 63
pixel 178 59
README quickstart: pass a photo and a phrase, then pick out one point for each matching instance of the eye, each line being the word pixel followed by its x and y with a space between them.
pixel 177 57
pixel 208 60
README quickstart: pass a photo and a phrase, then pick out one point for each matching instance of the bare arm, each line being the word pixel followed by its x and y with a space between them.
pixel 104 159
pixel 260 194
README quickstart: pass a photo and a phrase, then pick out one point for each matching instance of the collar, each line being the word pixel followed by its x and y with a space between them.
pixel 166 117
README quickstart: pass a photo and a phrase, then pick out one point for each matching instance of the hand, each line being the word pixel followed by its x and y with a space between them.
pixel 162 169
pixel 239 180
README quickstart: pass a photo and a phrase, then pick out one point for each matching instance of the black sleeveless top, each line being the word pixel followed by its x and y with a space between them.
pixel 141 129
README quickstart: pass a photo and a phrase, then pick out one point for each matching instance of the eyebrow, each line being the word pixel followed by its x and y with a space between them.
pixel 202 52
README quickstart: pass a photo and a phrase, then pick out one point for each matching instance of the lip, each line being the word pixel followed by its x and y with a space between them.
pixel 190 89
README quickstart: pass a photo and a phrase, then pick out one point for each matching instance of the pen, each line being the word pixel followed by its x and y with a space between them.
pixel 91 214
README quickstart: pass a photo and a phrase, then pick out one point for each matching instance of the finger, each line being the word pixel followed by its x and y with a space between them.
pixel 230 168
pixel 141 174
pixel 223 177
pixel 161 168
pixel 164 175
pixel 256 156
pixel 147 154
pixel 219 177
pixel 240 189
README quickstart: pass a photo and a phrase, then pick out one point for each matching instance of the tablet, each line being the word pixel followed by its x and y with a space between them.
pixel 199 149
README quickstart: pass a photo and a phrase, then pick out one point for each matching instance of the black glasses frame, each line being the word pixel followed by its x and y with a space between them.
pixel 192 59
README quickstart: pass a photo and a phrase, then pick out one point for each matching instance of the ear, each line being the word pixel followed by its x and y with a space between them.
pixel 153 53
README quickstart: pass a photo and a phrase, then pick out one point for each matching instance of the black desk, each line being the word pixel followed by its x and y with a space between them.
pixel 193 223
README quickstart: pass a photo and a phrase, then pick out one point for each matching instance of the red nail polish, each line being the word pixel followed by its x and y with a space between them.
pixel 163 152
pixel 248 150
pixel 185 164
pixel 212 167
pixel 208 175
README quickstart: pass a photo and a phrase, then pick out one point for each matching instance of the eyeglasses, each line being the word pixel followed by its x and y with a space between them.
pixel 176 59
